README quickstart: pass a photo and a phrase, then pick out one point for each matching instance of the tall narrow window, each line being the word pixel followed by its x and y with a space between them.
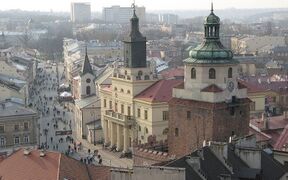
pixel 129 111
pixel 88 90
pixel 230 72
pixel 122 108
pixel 145 114
pixel 193 73
pixel 138 112
pixel 212 73
pixel 104 102
pixel 176 133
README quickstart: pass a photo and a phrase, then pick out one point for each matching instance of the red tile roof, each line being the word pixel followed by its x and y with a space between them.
pixel 255 86
pixel 19 166
pixel 212 88
pixel 173 73
pixel 52 166
pixel 161 91
pixel 282 140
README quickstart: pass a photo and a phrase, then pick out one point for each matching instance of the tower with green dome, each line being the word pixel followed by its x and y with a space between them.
pixel 210 105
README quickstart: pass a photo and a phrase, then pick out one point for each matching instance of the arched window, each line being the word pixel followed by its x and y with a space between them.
pixel 176 133
pixel 140 73
pixel 88 80
pixel 147 77
pixel 88 90
pixel 212 73
pixel 230 72
pixel 193 73
pixel 128 92
pixel 139 128
pixel 146 130
pixel 121 90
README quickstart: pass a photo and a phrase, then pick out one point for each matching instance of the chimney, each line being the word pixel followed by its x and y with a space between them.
pixel 266 123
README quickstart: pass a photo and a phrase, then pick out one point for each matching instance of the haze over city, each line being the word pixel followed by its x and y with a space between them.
pixel 64 5
pixel 144 90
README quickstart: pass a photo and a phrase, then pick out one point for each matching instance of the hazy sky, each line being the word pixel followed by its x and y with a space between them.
pixel 64 5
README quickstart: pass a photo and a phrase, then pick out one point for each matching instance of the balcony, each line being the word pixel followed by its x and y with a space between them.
pixel 119 118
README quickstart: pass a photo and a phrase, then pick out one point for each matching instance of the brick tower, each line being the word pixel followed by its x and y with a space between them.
pixel 210 105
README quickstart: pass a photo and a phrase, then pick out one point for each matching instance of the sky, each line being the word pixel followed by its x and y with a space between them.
pixel 97 5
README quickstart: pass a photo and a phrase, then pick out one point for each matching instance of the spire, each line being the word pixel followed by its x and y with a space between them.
pixel 135 33
pixel 86 66
pixel 212 7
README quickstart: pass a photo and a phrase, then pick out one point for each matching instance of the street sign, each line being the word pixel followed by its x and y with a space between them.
pixel 61 133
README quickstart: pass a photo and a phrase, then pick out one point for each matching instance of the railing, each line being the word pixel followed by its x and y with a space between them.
pixel 120 117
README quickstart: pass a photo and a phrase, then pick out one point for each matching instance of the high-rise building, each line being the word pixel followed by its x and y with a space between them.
pixel 80 12
pixel 168 18
pixel 117 14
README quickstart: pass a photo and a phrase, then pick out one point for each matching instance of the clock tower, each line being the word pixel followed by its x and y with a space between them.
pixel 210 105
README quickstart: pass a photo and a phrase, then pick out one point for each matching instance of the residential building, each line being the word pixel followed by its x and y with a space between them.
pixel 117 14
pixel 239 159
pixel 18 125
pixel 210 105
pixel 11 87
pixel 118 113
pixel 38 164
pixel 80 12
pixel 256 44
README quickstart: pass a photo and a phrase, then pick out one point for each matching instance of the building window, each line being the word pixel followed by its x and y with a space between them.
pixel 129 111
pixel 116 108
pixel 165 115
pixel 128 92
pixel 138 112
pixel 121 90
pixel 230 72
pixel 2 141
pixel 232 111
pixel 252 106
pixel 16 127
pixel 2 129
pixel 88 90
pixel 110 104
pixel 104 102
pixel 212 73
pixel 146 114
pixel 115 88
pixel 147 77
pixel 146 130
pixel 176 133
pixel 122 108
pixel 26 125
pixel 88 80
pixel 188 114
pixel 193 73
pixel 16 140
pixel 140 73
pixel 139 128
pixel 26 139
pixel 165 131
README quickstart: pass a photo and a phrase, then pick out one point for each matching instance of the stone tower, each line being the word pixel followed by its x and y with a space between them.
pixel 210 105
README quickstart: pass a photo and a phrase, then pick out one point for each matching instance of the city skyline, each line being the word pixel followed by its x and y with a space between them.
pixel 64 5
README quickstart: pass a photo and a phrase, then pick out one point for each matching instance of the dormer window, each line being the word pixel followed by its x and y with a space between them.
pixel 230 72
pixel 193 73
pixel 212 73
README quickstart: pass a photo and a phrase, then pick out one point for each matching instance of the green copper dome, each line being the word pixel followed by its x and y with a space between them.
pixel 211 50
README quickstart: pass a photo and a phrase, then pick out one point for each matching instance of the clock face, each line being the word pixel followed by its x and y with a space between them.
pixel 230 86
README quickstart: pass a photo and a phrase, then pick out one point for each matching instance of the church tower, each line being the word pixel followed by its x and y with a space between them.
pixel 87 78
pixel 135 45
pixel 210 105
